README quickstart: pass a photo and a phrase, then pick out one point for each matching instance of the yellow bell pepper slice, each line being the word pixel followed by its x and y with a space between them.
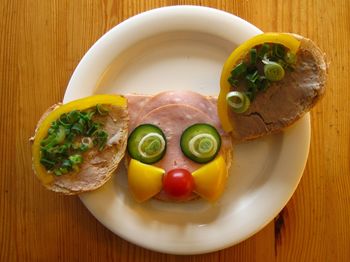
pixel 145 181
pixel 41 133
pixel 210 179
pixel 236 56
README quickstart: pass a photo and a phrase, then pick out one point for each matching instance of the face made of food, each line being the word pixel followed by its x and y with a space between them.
pixel 177 150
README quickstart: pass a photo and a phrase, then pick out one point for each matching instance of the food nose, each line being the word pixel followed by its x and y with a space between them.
pixel 178 184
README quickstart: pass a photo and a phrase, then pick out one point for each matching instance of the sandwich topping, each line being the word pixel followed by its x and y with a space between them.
pixel 264 64
pixel 72 134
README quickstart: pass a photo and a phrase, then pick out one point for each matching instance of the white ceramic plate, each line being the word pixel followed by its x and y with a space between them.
pixel 185 47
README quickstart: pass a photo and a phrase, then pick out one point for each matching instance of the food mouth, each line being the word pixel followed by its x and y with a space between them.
pixel 178 184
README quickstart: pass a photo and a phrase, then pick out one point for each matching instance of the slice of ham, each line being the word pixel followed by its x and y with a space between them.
pixel 135 105
pixel 140 105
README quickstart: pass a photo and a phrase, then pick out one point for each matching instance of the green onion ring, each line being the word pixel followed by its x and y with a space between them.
pixel 238 101
pixel 156 137
pixel 273 71
pixel 197 151
pixel 87 141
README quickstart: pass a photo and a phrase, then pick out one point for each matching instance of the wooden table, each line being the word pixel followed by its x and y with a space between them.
pixel 41 42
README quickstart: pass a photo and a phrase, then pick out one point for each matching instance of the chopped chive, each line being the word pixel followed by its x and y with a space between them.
pixel 87 116
pixel 83 147
pixel 63 121
pixel 57 172
pixel 232 81
pixel 78 128
pixel 282 63
pixel 262 83
pixel 279 50
pixel 252 77
pixel 67 163
pixel 102 110
pixel 54 139
pixel 76 145
pixel 240 69
pixel 100 138
pixel 253 56
pixel 61 134
pixel 73 116
pixel 47 140
pixel 263 50
pixel 47 163
pixel 76 159
pixel 290 58
pixel 92 129
pixel 63 170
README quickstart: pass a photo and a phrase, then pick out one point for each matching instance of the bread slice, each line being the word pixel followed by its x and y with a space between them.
pixel 98 166
pixel 285 101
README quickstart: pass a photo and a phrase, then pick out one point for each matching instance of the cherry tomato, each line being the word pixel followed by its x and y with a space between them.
pixel 178 183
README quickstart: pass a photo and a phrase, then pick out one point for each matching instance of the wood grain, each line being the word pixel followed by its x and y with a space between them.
pixel 41 42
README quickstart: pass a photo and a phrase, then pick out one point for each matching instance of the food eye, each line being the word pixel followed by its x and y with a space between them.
pixel 200 142
pixel 147 143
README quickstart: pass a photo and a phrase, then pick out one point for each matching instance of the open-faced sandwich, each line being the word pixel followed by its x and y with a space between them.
pixel 268 83
pixel 178 144
pixel 78 145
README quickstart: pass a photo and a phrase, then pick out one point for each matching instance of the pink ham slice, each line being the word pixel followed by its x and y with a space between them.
pixel 140 105
pixel 135 105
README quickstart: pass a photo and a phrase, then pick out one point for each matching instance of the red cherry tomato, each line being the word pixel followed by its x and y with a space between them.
pixel 178 183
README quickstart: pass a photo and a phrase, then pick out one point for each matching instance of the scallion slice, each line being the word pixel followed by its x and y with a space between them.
pixel 253 56
pixel 238 101
pixel 279 50
pixel 263 50
pixel 76 159
pixel 240 69
pixel 102 110
pixel 290 58
pixel 273 71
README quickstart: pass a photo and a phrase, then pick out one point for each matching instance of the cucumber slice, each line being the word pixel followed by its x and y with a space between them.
pixel 147 144
pixel 200 142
